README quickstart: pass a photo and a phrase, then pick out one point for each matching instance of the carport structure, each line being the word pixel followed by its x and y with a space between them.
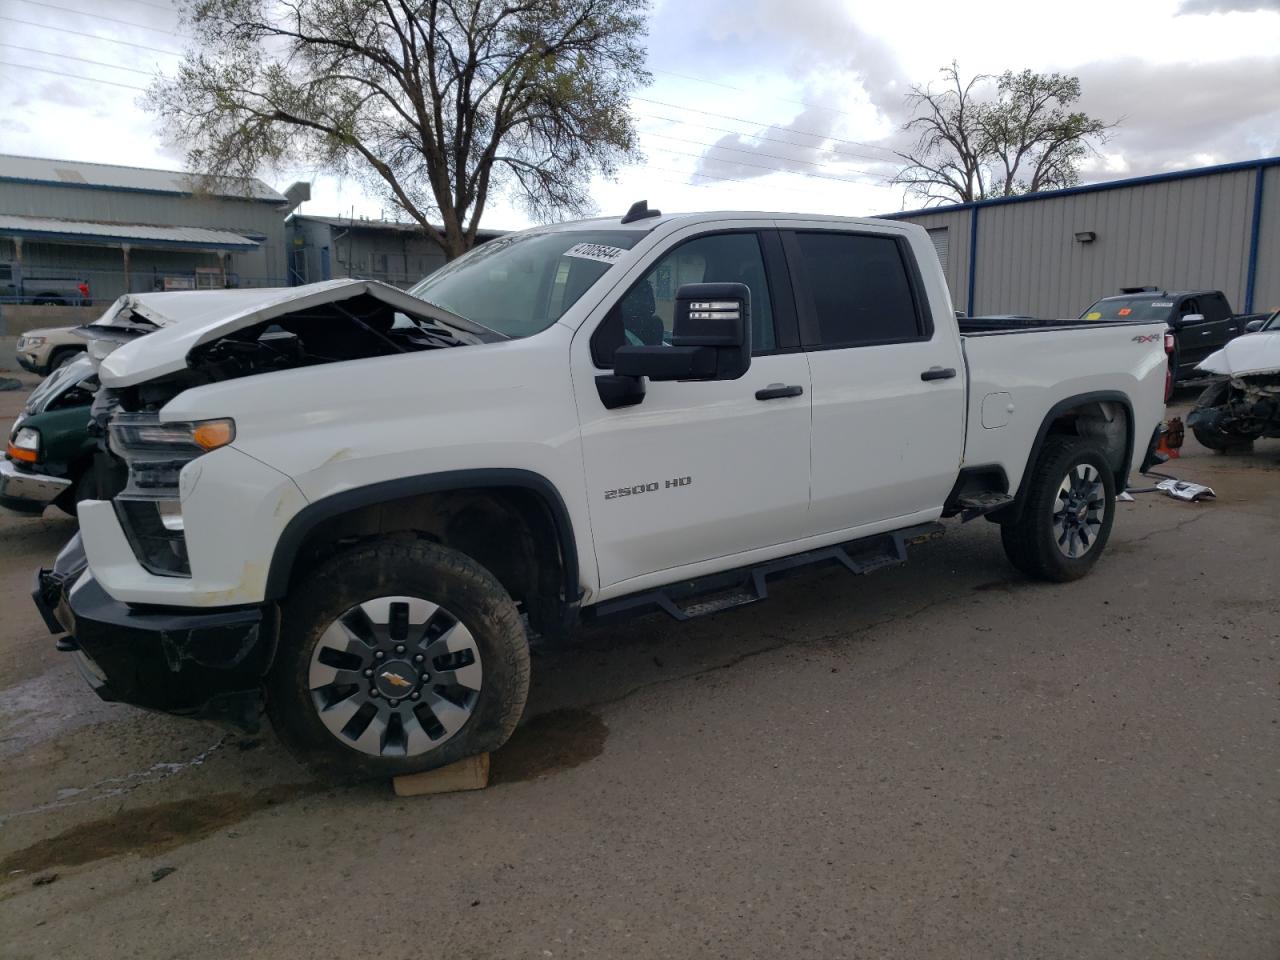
pixel 126 238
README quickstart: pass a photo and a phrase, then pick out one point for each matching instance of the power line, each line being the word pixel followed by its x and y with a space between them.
pixel 159 6
pixel 753 153
pixel 760 136
pixel 90 36
pixel 761 166
pixel 70 76
pixel 97 16
pixel 67 56
pixel 769 126
pixel 754 93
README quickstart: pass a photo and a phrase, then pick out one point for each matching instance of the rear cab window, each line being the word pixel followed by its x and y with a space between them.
pixel 1145 308
pixel 856 289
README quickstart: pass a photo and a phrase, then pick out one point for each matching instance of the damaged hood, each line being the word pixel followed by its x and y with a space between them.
pixel 1252 354
pixel 186 319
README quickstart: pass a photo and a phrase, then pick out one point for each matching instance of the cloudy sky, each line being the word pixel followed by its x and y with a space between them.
pixel 755 104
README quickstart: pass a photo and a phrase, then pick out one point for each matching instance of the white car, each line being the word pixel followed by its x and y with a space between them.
pixel 346 501
pixel 1243 404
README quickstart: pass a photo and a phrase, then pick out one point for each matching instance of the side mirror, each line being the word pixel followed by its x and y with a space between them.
pixel 711 340
pixel 1253 326
pixel 1185 321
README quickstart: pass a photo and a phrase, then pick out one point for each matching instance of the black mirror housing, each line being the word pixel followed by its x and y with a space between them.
pixel 711 340
pixel 716 315
pixel 1253 326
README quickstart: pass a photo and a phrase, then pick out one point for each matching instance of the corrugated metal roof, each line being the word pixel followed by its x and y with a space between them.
pixel 48 228
pixel 359 223
pixel 105 176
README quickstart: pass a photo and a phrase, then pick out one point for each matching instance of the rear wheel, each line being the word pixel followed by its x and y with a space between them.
pixel 1066 520
pixel 395 657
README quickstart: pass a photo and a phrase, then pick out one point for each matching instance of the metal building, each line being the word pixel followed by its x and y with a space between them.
pixel 128 228
pixel 398 253
pixel 1053 254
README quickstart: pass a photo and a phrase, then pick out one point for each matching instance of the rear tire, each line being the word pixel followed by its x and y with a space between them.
pixel 397 656
pixel 1221 441
pixel 1066 519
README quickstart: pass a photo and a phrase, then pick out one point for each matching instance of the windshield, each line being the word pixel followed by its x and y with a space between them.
pixel 66 376
pixel 1273 323
pixel 521 284
pixel 1130 308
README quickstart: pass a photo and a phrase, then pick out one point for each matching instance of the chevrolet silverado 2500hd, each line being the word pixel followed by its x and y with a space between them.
pixel 350 503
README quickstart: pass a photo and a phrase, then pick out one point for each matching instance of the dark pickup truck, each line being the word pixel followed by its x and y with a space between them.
pixel 1201 320
pixel 18 287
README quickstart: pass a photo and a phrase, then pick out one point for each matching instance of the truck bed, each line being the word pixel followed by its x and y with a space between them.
pixel 1033 368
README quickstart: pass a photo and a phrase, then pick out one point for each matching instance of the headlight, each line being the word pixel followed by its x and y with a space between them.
pixel 149 509
pixel 137 433
pixel 31 342
pixel 24 445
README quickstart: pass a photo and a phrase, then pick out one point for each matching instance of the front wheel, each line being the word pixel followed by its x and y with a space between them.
pixel 1207 421
pixel 1066 518
pixel 395 657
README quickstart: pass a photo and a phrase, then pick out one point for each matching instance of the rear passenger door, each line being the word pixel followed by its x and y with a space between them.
pixel 888 387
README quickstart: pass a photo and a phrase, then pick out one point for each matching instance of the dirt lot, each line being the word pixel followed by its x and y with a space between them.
pixel 944 760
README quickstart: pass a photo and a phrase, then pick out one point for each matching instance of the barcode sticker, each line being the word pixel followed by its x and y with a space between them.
pixel 595 251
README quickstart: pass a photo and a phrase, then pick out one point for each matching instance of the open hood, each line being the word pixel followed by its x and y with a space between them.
pixel 1250 355
pixel 187 319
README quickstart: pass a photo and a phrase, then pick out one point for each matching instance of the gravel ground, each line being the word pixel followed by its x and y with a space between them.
pixel 943 760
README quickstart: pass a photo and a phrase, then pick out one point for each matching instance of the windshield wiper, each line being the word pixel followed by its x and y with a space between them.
pixel 457 321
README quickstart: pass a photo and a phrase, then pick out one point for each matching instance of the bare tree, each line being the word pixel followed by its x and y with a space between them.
pixel 1024 140
pixel 435 104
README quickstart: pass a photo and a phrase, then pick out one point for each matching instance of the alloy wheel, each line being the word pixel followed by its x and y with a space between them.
pixel 1079 510
pixel 395 676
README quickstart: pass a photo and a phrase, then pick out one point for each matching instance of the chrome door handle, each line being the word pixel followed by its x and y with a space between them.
pixel 938 373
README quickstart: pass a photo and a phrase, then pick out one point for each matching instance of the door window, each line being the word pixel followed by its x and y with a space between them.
pixel 1189 307
pixel 644 314
pixel 1214 307
pixel 861 289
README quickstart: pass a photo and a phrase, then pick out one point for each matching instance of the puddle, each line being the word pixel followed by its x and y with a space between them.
pixel 1004 586
pixel 110 787
pixel 145 831
pixel 554 741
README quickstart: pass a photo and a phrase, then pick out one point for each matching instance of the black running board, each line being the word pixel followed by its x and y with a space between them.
pixel 687 599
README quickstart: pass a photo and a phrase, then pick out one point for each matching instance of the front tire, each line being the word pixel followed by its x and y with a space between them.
pixel 397 656
pixel 1066 520
pixel 1208 434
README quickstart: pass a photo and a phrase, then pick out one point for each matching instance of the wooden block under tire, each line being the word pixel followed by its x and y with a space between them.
pixel 470 773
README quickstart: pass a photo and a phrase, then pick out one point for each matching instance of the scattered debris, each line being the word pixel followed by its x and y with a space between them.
pixel 44 879
pixel 8 383
pixel 1124 496
pixel 1182 490
pixel 161 872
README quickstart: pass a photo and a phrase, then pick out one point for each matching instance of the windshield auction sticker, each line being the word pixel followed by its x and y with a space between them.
pixel 595 251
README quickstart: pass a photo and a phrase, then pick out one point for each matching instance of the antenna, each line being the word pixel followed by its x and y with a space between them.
pixel 640 211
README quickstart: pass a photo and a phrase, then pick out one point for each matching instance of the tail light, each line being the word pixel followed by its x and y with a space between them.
pixel 1169 345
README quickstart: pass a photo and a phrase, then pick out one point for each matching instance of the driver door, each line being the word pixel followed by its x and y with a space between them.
pixel 705 470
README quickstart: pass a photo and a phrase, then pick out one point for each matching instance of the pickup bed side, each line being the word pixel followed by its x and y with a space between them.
pixel 1023 382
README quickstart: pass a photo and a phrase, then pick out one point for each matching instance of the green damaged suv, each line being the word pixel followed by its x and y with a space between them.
pixel 49 456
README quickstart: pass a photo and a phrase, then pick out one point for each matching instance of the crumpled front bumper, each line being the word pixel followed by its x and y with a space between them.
pixel 28 492
pixel 207 664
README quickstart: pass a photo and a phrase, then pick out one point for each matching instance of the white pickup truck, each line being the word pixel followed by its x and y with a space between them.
pixel 353 504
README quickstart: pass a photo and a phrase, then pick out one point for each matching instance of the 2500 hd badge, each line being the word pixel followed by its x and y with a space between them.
pixel 650 487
